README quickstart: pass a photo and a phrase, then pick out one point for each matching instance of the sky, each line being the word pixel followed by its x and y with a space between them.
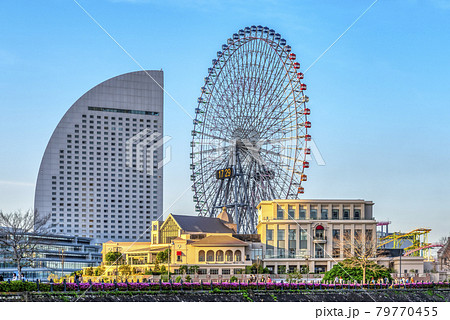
pixel 378 97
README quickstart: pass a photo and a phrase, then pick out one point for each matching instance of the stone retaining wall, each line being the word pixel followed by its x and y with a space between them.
pixel 391 295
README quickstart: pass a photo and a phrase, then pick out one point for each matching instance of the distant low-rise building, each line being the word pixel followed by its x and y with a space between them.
pixel 55 254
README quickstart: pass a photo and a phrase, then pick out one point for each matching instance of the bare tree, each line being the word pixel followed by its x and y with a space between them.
pixel 360 251
pixel 19 236
pixel 444 254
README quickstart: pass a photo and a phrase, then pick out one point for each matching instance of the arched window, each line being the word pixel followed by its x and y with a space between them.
pixel 210 256
pixel 229 255
pixel 219 255
pixel 237 255
pixel 319 232
pixel 201 256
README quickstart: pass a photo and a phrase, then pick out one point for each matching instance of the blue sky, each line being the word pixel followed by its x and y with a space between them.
pixel 380 110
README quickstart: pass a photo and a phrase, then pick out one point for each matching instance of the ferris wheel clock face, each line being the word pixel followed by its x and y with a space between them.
pixel 224 173
pixel 250 136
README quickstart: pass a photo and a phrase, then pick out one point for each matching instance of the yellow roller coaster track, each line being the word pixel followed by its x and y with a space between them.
pixel 418 237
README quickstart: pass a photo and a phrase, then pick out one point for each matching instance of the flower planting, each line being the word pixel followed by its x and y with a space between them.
pixel 19 286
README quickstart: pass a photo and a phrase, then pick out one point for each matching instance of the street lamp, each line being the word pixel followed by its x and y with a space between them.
pixel 117 260
pixel 307 268
pixel 62 263
pixel 168 260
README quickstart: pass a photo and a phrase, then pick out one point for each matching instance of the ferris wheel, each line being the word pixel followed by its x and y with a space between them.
pixel 250 136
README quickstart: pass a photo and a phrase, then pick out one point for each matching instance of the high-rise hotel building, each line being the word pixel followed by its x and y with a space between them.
pixel 101 174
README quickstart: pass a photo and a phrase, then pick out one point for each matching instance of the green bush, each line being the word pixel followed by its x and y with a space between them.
pixel 17 286
pixel 350 274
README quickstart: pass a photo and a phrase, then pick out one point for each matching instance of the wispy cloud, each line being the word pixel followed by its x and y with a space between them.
pixel 16 183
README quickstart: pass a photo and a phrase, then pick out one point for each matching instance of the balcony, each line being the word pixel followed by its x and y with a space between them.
pixel 319 239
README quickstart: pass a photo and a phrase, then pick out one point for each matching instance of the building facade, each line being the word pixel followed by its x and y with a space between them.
pixel 312 233
pixel 309 236
pixel 101 174
pixel 209 243
pixel 55 254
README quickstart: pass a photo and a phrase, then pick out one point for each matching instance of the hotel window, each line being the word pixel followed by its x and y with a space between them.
pixel 269 251
pixel 292 234
pixel 313 214
pixel 281 253
pixel 280 234
pixel 346 214
pixel 303 239
pixel 357 214
pixel 347 243
pixel 210 256
pixel 336 252
pixel 358 236
pixel 214 271
pixel 226 271
pixel 291 212
pixel 219 255
pixel 237 255
pixel 324 214
pixel 335 214
pixel 201 256
pixel 280 213
pixel 269 235
pixel 336 235
pixel 302 213
pixel 292 243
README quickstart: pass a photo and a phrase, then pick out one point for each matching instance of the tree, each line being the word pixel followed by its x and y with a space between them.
pixel 361 250
pixel 443 254
pixel 163 256
pixel 19 236
pixel 183 269
pixel 99 271
pixel 89 271
pixel 349 271
pixel 296 275
pixel 114 257
pixel 125 270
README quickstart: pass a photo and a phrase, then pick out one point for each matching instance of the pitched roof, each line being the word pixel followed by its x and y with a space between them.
pixel 219 241
pixel 201 224
pixel 225 216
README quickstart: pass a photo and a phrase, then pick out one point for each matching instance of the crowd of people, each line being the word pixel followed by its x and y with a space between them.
pixel 254 278
pixel 403 280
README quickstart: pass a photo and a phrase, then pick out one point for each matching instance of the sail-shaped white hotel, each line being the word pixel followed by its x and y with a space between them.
pixel 99 176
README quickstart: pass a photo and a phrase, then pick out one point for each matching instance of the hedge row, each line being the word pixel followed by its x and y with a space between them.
pixel 19 286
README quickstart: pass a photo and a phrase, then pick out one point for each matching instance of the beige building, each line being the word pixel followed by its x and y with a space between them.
pixel 210 244
pixel 313 233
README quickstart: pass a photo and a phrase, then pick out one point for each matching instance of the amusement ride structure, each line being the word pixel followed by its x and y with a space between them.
pixel 250 136
pixel 417 238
